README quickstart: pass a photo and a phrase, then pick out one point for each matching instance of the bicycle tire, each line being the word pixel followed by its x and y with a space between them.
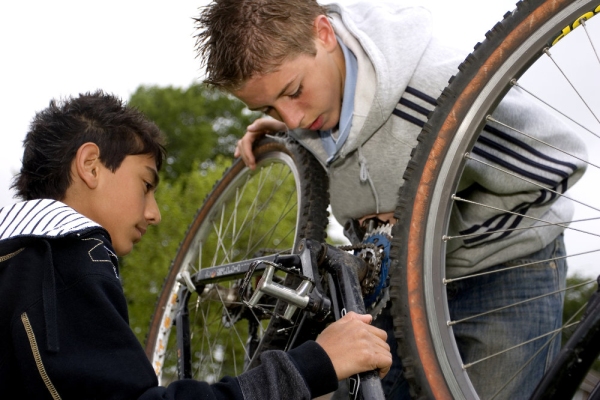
pixel 431 360
pixel 289 184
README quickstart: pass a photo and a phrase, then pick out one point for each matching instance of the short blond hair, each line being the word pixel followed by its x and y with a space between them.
pixel 240 39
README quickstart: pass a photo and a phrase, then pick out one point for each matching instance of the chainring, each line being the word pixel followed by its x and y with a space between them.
pixel 376 252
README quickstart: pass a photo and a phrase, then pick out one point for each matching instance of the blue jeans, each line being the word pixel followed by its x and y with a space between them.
pixel 489 334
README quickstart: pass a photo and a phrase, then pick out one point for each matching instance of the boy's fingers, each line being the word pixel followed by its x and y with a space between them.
pixel 380 333
pixel 366 318
pixel 383 362
pixel 267 125
pixel 244 150
pixel 249 155
pixel 254 131
pixel 384 371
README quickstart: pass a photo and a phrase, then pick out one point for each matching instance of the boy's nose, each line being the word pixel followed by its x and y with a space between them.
pixel 291 116
pixel 152 212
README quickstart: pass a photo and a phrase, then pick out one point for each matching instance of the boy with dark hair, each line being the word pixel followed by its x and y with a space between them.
pixel 90 170
pixel 354 85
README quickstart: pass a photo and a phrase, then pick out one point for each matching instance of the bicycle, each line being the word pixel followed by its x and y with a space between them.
pixel 416 247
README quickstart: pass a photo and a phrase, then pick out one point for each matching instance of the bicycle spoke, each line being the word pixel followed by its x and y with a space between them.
pixel 584 24
pixel 492 119
pixel 252 209
pixel 233 327
pixel 456 198
pixel 285 210
pixel 270 232
pixel 259 222
pixel 514 82
pixel 447 238
pixel 219 235
pixel 547 52
pixel 554 332
pixel 568 324
pixel 469 157
pixel 266 202
pixel 446 281
pixel 451 323
pixel 198 252
pixel 525 364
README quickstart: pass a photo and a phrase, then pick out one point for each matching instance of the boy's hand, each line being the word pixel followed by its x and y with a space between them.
pixel 355 346
pixel 254 131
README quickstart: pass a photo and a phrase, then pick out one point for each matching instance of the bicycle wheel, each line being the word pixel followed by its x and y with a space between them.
pixel 512 53
pixel 247 214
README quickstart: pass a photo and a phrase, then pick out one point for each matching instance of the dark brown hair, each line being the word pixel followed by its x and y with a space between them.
pixel 57 132
pixel 239 39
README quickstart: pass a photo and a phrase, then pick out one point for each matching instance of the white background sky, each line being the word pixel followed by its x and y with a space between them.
pixel 51 49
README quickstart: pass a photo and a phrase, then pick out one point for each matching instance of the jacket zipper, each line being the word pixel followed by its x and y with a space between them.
pixel 37 357
pixel 11 255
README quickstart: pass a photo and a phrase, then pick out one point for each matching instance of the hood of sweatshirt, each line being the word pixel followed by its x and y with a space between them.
pixel 42 218
pixel 388 40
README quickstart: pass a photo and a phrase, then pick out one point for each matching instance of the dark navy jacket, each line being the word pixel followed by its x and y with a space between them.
pixel 64 326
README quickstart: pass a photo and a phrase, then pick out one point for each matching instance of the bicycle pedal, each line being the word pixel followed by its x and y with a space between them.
pixel 296 298
pixel 303 297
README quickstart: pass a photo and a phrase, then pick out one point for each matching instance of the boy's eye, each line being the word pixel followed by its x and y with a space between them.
pixel 148 186
pixel 297 93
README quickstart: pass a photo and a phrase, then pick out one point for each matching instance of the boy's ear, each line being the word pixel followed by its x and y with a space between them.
pixel 88 164
pixel 325 32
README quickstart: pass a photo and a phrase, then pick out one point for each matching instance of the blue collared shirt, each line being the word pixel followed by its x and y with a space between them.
pixel 331 144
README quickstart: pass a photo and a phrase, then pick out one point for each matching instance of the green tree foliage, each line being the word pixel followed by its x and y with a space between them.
pixel 199 123
pixel 145 268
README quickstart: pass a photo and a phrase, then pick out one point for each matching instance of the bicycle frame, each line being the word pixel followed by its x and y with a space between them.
pixel 343 272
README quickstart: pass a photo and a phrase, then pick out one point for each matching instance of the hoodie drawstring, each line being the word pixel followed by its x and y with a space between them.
pixel 365 177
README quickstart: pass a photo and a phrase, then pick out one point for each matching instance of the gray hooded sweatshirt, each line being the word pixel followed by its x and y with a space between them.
pixel 402 69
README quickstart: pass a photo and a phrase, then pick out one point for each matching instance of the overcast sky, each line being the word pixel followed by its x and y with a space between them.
pixel 51 49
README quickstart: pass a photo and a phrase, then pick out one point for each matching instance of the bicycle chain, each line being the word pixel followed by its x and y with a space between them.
pixel 371 255
pixel 374 264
